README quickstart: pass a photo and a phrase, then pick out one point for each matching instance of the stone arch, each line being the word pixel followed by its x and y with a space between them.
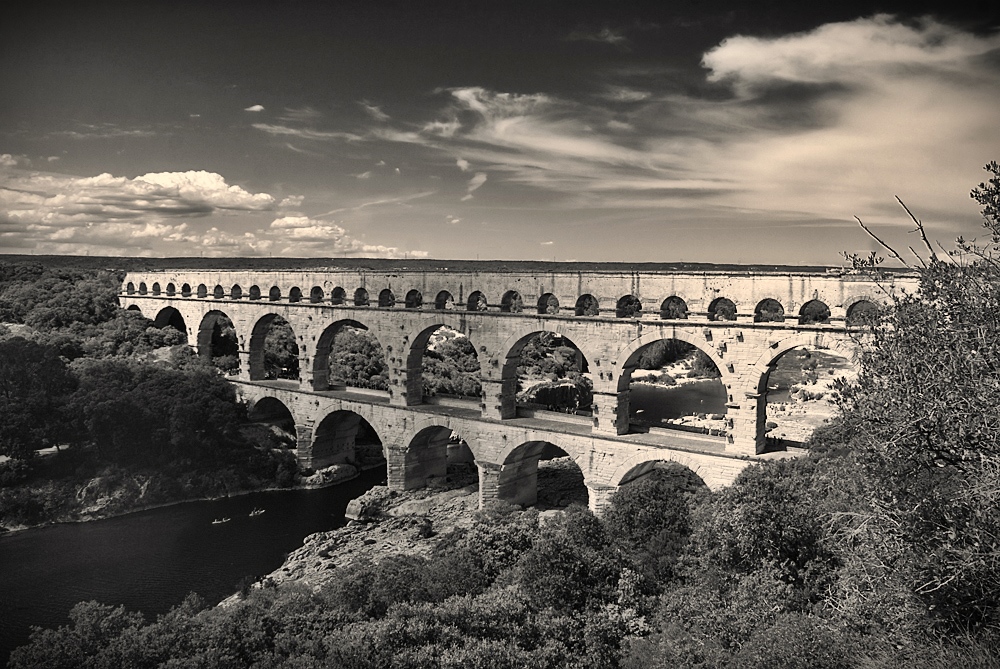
pixel 386 299
pixel 628 306
pixel 722 309
pixel 202 290
pixel 629 355
pixel 236 292
pixel 587 305
pixel 324 346
pixel 271 410
pixel 142 288
pixel 640 464
pixel 209 334
pixel 444 301
pixel 862 312
pixel 315 295
pixel 258 335
pixel 254 292
pixel 510 350
pixel 814 312
pixel 511 302
pixel 517 479
pixel 414 299
pixel 673 307
pixel 186 290
pixel 548 304
pixel 295 294
pixel 169 316
pixel 842 345
pixel 425 457
pixel 274 294
pixel 769 310
pixel 345 437
pixel 477 302
pixel 567 396
pixel 338 296
pixel 130 288
pixel 361 298
pixel 415 361
pixel 171 290
pixel 134 307
pixel 156 288
pixel 218 292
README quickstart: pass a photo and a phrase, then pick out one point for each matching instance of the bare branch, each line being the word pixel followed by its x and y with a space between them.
pixel 920 229
pixel 888 248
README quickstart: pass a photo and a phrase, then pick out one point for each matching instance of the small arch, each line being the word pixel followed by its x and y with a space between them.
pixel 548 304
pixel 814 312
pixel 769 311
pixel 414 299
pixel 254 292
pixel 722 309
pixel 511 302
pixel 673 308
pixel 338 296
pixel 274 412
pixel 477 302
pixel 274 294
pixel 142 288
pixel 130 288
pixel 186 290
pixel 345 437
pixel 386 299
pixel 171 290
pixel 862 312
pixel 361 298
pixel 202 290
pixel 219 292
pixel 444 301
pixel 295 294
pixel 134 307
pixel 156 288
pixel 522 481
pixel 587 305
pixel 236 292
pixel 315 295
pixel 629 306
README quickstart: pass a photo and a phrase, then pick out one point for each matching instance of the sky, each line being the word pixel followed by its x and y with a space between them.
pixel 680 131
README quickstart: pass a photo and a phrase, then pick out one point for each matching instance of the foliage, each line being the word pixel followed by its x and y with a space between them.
pixel 452 367
pixel 356 359
pixel 281 352
pixel 53 298
pixel 34 386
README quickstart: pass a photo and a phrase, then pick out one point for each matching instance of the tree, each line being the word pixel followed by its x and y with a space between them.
pixel 281 352
pixel 356 359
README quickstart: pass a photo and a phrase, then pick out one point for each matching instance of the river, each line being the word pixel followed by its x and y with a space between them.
pixel 658 403
pixel 150 560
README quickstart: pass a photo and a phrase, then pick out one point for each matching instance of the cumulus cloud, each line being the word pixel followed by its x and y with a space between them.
pixel 302 234
pixel 7 160
pixel 462 164
pixel 254 108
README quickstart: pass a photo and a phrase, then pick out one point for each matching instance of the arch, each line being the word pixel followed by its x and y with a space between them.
pixel 628 306
pixel 171 317
pixel 271 410
pixel 477 302
pixel 561 384
pixel 769 310
pixel 643 463
pixel 171 290
pixel 295 294
pixel 862 312
pixel 264 366
pixel 361 298
pixel 386 299
pixel 548 304
pixel 345 437
pixel 338 296
pixel 453 377
pixel 511 302
pixel 814 312
pixel 426 456
pixel 156 288
pixel 518 480
pixel 414 299
pixel 142 288
pixel 236 292
pixel 629 356
pixel 219 292
pixel 130 288
pixel 722 309
pixel 274 294
pixel 134 307
pixel 587 305
pixel 218 341
pixel 673 308
pixel 186 290
pixel 324 347
pixel 842 345
pixel 202 290
pixel 255 292
pixel 444 301
pixel 315 295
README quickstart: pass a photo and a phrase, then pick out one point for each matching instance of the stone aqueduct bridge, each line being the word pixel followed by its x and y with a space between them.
pixel 609 316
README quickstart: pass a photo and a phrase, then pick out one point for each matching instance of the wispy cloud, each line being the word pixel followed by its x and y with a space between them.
pixel 300 115
pixel 373 111
pixel 307 133
pixel 477 180
pixel 604 35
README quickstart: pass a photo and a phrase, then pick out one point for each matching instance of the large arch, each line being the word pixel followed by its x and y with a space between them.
pixel 324 347
pixel 171 317
pixel 425 459
pixel 345 437
pixel 259 362
pixel 642 463
pixel 218 341
pixel 564 399
pixel 519 480
pixel 275 413
pixel 415 361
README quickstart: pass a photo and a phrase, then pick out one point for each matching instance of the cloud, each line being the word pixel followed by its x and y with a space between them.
pixel 305 133
pixel 291 202
pixel 604 35
pixel 254 108
pixel 462 164
pixel 548 243
pixel 453 220
pixel 301 115
pixel 302 234
pixel 363 175
pixel 103 131
pixel 7 160
pixel 477 180
pixel 373 111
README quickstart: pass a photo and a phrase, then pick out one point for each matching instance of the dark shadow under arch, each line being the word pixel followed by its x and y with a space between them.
pixel 345 437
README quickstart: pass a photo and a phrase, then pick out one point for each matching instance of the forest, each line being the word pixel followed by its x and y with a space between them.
pixel 880 548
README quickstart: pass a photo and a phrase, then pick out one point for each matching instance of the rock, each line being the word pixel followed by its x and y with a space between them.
pixel 370 505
